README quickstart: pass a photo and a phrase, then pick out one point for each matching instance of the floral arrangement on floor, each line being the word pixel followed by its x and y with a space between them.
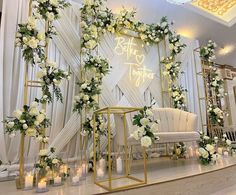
pixel 47 162
pixel 147 127
pixel 207 152
pixel 226 143
pixel 178 97
pixel 179 151
pixel 31 41
pixel 215 114
pixel 207 52
pixel 50 75
pixel 29 120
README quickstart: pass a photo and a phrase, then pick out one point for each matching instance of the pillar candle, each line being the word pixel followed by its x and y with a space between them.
pixel 84 169
pixel 42 185
pixel 29 181
pixel 102 163
pixel 100 172
pixel 75 179
pixel 190 152
pixel 119 165
pixel 57 180
pixel 226 153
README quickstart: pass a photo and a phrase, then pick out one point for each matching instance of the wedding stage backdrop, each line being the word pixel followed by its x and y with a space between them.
pixel 123 86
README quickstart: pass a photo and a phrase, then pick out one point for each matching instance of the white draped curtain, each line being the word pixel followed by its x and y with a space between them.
pixel 64 49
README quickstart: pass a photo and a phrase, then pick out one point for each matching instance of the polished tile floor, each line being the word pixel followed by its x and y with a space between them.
pixel 159 170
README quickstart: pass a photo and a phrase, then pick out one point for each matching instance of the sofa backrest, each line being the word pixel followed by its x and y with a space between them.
pixel 175 120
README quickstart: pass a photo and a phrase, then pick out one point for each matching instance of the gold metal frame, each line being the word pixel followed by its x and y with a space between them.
pixel 121 111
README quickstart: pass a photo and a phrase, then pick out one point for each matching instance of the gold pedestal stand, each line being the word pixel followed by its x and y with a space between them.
pixel 108 183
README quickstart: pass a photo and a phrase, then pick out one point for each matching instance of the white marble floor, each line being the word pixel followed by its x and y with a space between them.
pixel 159 170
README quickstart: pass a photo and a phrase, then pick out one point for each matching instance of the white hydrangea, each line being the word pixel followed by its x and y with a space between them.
pixel 146 141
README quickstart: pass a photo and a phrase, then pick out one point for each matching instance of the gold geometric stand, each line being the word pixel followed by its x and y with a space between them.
pixel 108 183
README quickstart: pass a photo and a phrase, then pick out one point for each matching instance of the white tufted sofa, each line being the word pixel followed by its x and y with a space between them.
pixel 174 126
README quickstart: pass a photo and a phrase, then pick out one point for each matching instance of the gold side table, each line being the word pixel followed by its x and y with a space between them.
pixel 108 183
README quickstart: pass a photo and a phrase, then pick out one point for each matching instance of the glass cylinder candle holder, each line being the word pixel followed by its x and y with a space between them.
pixel 57 177
pixel 42 186
pixel 100 172
pixel 76 176
pixel 41 181
pixel 84 170
pixel 119 165
pixel 29 181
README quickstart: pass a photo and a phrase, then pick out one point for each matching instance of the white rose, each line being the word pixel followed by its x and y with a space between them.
pixel 224 135
pixel 135 135
pixel 33 43
pixel 90 44
pixel 36 123
pixel 154 127
pixel 39 138
pixel 54 2
pixel 33 111
pixel 40 118
pixel 149 112
pixel 17 113
pixel 34 104
pixel 228 142
pixel 43 152
pixel 41 36
pixel 206 137
pixel 203 152
pixel 210 148
pixel 46 139
pixel 25 126
pixel 55 161
pixel 50 16
pixel 146 141
pixel 144 121
pixel 31 132
pixel 32 21
pixel 84 86
pixel 86 97
pixel 10 124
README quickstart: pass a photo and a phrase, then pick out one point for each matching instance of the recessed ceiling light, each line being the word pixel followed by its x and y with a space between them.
pixel 226 49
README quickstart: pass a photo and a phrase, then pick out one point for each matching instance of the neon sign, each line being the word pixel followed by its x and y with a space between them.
pixel 137 70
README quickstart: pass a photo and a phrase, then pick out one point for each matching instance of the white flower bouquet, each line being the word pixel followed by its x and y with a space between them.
pixel 31 41
pixel 147 127
pixel 88 95
pixel 50 75
pixel 215 114
pixel 217 84
pixel 29 121
pixel 207 53
pixel 174 44
pixel 178 96
pixel 207 152
pixel 48 161
pixel 98 65
pixel 49 9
